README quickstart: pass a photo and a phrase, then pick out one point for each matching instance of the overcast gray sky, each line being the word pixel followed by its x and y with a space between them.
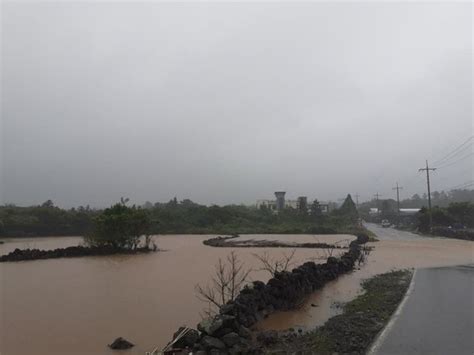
pixel 226 103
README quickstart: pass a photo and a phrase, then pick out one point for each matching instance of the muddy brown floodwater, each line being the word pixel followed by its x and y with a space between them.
pixel 386 255
pixel 79 305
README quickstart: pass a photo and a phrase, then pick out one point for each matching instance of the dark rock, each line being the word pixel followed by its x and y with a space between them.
pixel 245 332
pixel 231 339
pixel 188 340
pixel 362 238
pixel 228 309
pixel 120 344
pixel 223 331
pixel 74 251
pixel 210 325
pixel 212 343
pixel 268 337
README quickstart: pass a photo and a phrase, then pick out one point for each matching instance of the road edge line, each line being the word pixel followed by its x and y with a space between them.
pixel 383 334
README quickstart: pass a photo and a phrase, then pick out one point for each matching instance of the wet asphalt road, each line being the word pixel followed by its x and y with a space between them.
pixel 391 233
pixel 437 316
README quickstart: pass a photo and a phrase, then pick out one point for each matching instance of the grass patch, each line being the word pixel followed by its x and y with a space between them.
pixel 372 236
pixel 363 318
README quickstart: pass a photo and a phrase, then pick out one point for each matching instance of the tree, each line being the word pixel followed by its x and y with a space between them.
pixel 274 266
pixel 462 212
pixel 441 217
pixel 120 227
pixel 315 209
pixel 388 209
pixel 348 208
pixel 148 205
pixel 303 204
pixel 423 219
pixel 229 278
pixel 48 204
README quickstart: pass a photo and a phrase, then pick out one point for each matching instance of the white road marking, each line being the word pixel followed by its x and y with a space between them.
pixel 380 339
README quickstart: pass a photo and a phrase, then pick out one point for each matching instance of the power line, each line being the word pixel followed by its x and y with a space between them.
pixel 456 161
pixel 458 153
pixel 459 186
pixel 465 184
pixel 454 152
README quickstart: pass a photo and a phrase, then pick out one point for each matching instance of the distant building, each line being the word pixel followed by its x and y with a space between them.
pixel 302 203
pixel 409 211
pixel 270 204
pixel 374 211
pixel 281 203
pixel 280 200
pixel 324 207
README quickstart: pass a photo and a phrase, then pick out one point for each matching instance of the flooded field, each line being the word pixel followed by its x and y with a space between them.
pixel 387 255
pixel 79 305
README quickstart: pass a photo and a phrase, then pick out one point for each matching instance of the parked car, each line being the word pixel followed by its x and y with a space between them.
pixel 386 223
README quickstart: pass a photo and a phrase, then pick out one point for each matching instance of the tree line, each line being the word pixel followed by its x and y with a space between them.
pixel 177 217
pixel 454 208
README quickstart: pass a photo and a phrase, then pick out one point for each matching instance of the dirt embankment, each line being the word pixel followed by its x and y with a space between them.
pixel 231 242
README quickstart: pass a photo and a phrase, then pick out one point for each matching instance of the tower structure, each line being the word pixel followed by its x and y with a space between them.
pixel 302 204
pixel 280 200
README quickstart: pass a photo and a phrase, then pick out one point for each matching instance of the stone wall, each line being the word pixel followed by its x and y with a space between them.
pixel 69 252
pixel 228 332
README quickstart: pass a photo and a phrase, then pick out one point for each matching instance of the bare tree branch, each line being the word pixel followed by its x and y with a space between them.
pixel 229 278
pixel 276 265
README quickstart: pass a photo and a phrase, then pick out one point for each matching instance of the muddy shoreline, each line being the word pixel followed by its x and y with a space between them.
pixel 230 242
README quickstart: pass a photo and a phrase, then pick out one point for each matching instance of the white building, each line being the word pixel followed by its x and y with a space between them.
pixel 271 204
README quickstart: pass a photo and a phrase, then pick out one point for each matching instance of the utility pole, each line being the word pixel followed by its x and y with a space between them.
pixel 377 195
pixel 357 199
pixel 398 188
pixel 427 169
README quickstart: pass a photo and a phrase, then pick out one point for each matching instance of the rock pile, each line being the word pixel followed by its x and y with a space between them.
pixel 121 344
pixel 75 251
pixel 228 332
